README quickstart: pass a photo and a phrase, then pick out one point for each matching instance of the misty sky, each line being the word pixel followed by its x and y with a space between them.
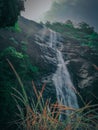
pixel 35 9
pixel 61 10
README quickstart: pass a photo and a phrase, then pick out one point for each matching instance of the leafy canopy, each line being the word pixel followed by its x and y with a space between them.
pixel 9 11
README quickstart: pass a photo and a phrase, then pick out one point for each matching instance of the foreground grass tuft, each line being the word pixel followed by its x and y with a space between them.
pixel 42 115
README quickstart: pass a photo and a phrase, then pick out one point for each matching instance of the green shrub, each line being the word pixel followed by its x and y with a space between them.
pixel 12 52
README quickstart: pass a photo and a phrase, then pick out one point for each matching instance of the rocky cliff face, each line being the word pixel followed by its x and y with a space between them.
pixel 31 41
pixel 81 61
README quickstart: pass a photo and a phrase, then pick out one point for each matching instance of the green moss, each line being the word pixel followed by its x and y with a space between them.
pixel 15 28
pixel 34 69
pixel 24 46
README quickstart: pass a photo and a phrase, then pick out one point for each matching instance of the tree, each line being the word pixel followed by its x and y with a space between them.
pixel 69 23
pixel 47 23
pixel 9 11
pixel 86 28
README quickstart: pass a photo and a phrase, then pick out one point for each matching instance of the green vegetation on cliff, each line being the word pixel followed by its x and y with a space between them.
pixel 82 33
pixel 8 81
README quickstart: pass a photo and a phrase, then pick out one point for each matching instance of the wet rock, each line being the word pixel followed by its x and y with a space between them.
pixel 42 56
pixel 82 61
pixel 83 69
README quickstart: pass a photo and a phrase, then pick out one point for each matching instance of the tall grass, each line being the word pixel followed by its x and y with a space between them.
pixel 42 115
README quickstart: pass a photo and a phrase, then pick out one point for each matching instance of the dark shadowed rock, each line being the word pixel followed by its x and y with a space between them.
pixel 82 63
pixel 32 41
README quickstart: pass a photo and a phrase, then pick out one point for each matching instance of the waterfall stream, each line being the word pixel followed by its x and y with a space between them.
pixel 64 87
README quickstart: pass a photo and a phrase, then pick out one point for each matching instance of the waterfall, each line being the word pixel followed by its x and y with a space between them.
pixel 53 39
pixel 64 87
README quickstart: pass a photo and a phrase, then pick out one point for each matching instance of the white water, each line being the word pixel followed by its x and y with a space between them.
pixel 53 39
pixel 64 87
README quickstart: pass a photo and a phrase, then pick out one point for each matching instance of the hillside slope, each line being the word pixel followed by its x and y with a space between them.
pixel 33 59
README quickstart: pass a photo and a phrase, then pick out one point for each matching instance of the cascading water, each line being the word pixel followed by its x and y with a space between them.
pixel 64 87
pixel 53 39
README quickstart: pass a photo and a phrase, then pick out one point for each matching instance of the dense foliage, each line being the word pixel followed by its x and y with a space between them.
pixel 9 11
pixel 8 81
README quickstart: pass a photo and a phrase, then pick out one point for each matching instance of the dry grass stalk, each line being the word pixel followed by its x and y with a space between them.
pixel 50 117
